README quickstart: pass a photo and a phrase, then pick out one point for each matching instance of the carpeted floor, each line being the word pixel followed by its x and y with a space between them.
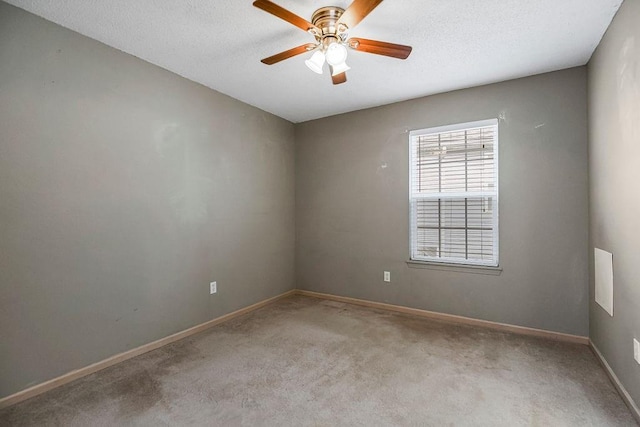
pixel 304 361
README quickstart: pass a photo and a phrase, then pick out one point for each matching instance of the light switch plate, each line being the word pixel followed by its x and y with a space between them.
pixel 636 350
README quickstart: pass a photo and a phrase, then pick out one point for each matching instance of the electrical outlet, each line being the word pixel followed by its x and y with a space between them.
pixel 387 276
pixel 213 288
pixel 636 350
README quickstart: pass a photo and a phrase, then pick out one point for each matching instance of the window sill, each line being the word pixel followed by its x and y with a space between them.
pixel 460 268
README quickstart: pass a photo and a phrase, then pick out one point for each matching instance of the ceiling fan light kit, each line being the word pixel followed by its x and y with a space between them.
pixel 339 69
pixel 330 27
pixel 336 54
pixel 316 62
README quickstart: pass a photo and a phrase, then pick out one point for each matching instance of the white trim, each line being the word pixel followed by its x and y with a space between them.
pixel 461 268
pixel 454 127
pixel 458 261
pixel 440 195
pixel 456 195
pixel 496 210
pixel 412 206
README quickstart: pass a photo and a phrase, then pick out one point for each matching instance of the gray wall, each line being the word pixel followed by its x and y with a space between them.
pixel 614 162
pixel 352 217
pixel 124 190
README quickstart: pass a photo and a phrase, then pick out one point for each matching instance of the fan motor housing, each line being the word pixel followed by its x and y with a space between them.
pixel 326 19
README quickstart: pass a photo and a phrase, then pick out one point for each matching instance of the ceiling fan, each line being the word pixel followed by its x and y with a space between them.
pixel 330 26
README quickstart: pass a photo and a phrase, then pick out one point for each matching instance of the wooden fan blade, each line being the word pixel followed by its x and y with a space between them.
pixel 338 78
pixel 288 54
pixel 284 14
pixel 380 48
pixel 358 10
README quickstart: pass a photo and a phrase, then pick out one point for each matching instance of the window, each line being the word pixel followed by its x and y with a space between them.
pixel 453 192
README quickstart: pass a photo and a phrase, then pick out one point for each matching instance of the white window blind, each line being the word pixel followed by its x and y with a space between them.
pixel 454 194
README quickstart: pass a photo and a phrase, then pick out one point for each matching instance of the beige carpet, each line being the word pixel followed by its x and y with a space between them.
pixel 304 361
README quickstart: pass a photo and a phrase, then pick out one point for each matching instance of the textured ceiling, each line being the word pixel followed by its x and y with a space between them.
pixel 456 44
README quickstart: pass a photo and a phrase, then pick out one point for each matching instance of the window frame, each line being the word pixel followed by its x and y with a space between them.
pixel 496 223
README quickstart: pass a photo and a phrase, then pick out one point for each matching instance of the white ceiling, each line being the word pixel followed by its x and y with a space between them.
pixel 456 44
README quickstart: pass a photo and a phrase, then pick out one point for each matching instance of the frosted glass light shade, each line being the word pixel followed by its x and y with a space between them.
pixel 340 68
pixel 316 62
pixel 336 54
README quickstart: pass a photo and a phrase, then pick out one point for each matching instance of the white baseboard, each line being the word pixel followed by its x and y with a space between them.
pixel 87 370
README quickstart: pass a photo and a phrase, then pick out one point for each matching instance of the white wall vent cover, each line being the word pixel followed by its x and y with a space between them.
pixel 604 279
